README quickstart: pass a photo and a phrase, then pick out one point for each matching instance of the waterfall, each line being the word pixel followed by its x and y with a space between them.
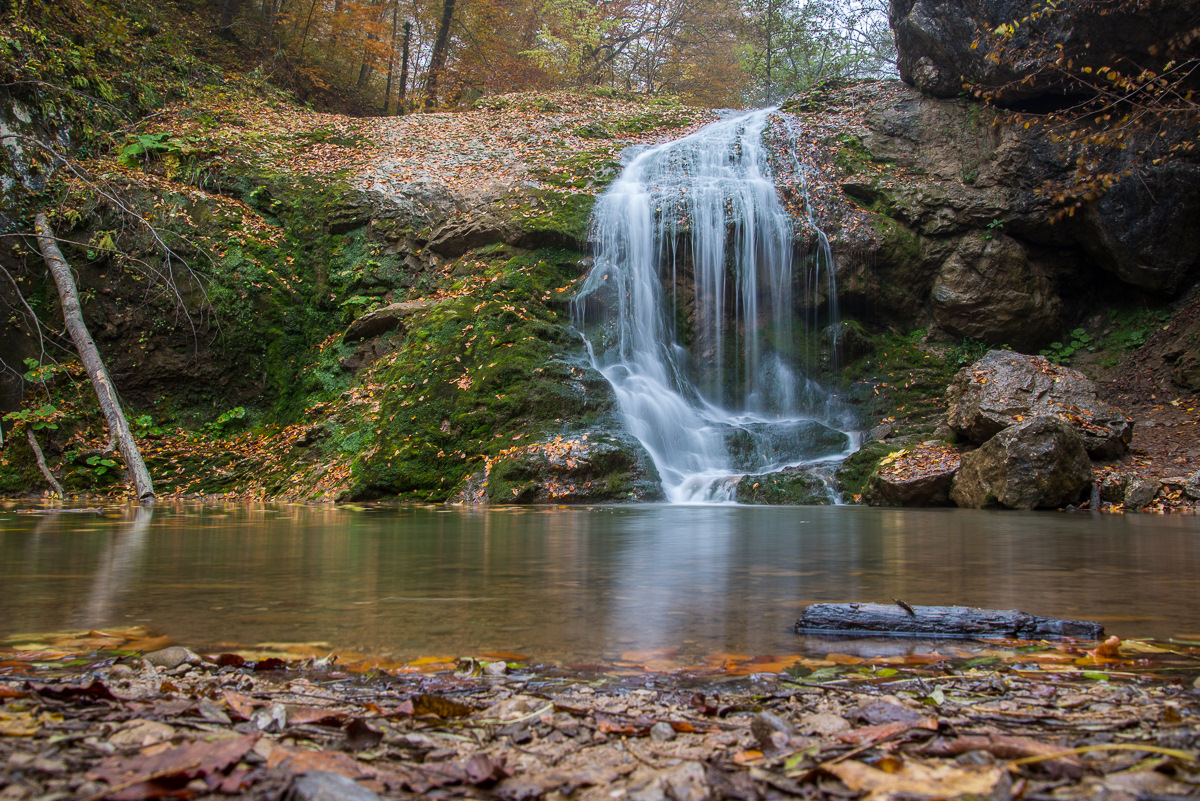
pixel 690 311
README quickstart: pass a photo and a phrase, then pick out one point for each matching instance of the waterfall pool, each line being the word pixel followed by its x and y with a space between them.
pixel 574 584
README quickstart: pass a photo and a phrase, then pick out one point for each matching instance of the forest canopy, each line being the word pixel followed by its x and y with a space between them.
pixel 398 55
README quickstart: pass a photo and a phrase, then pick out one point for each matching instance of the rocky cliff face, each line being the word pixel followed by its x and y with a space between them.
pixel 957 216
pixel 944 46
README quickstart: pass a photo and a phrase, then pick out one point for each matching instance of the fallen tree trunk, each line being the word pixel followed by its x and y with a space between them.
pixel 101 383
pixel 900 619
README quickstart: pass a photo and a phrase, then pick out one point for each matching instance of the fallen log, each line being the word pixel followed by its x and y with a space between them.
pixel 965 622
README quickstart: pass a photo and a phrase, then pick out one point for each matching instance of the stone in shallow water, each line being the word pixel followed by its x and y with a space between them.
pixel 917 476
pixel 792 486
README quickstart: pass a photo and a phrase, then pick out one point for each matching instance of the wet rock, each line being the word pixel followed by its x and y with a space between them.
pixel 272 719
pixel 381 321
pixel 1005 387
pixel 576 470
pixel 1039 463
pixel 1141 492
pixel 662 732
pixel 1113 486
pixel 792 486
pixel 919 476
pixel 771 731
pixel 319 785
pixel 880 432
pixel 846 340
pixel 1192 487
pixel 990 290
pixel 171 658
pixel 475 227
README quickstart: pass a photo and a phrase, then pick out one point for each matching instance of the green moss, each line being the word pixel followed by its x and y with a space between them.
pixel 790 487
pixel 854 473
pixel 473 373
pixel 898 244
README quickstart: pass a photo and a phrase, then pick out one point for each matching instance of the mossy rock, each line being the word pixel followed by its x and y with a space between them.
pixel 792 486
pixel 572 469
pixel 853 475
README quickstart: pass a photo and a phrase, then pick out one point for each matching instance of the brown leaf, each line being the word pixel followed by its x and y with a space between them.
pixel 439 706
pixel 882 731
pixel 295 761
pixel 70 692
pixel 481 769
pixel 241 705
pixel 360 736
pixel 917 779
pixel 270 663
pixel 167 764
pixel 1007 747
pixel 314 715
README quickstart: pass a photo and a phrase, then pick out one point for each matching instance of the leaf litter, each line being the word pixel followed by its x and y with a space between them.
pixel 83 716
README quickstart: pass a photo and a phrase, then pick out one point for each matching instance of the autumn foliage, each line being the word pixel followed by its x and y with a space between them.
pixel 1102 102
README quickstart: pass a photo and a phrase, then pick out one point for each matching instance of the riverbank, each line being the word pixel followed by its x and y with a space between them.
pixel 1061 720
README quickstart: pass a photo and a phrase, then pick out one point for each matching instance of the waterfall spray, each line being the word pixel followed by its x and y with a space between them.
pixel 688 312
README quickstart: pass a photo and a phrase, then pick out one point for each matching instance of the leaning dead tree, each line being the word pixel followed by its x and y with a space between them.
pixel 92 363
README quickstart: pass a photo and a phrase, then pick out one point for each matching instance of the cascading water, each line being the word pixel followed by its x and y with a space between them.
pixel 689 309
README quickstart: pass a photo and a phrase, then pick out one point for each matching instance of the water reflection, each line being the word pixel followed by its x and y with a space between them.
pixel 575 584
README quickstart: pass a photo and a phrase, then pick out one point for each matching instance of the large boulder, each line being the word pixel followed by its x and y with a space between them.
pixel 990 290
pixel 1004 388
pixel 1036 464
pixel 918 476
pixel 942 44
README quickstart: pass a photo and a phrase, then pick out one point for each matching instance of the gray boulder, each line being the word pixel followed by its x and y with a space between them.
pixel 1004 388
pixel 1037 464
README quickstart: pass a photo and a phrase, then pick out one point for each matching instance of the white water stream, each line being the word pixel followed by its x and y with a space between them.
pixel 690 312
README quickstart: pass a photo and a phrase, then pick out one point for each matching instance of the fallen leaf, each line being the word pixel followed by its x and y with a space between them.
pixel 439 706
pixel 916 780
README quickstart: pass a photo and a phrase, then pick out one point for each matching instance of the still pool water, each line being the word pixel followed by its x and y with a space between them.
pixel 575 584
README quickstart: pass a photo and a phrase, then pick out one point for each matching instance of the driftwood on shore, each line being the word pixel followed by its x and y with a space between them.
pixel 900 619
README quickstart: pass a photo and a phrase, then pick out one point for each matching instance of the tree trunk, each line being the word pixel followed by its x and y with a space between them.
pixel 387 93
pixel 437 60
pixel 900 619
pixel 41 463
pixel 90 357
pixel 364 71
pixel 229 8
pixel 304 39
pixel 403 94
pixel 334 25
